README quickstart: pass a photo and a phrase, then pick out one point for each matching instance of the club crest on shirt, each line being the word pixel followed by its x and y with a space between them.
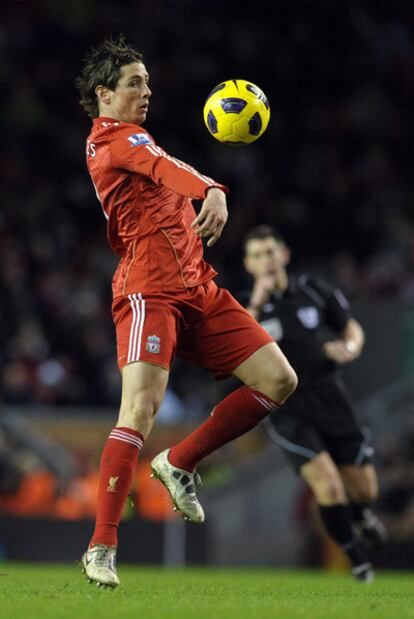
pixel 274 328
pixel 308 316
pixel 153 344
pixel 137 139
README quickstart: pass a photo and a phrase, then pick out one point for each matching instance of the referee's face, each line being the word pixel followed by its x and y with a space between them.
pixel 266 257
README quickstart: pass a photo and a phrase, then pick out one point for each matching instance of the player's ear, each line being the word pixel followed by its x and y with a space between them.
pixel 104 94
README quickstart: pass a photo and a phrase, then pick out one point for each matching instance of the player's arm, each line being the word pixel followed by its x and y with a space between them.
pixel 137 153
pixel 212 217
pixel 349 345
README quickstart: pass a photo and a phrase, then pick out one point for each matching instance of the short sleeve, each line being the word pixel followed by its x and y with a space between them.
pixel 336 305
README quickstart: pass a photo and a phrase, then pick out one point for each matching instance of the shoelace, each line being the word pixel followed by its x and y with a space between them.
pixel 105 557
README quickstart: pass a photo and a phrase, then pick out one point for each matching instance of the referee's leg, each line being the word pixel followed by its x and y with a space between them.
pixel 361 486
pixel 324 478
pixel 360 482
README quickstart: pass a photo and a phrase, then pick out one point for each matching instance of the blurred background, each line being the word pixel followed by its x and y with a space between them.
pixel 333 173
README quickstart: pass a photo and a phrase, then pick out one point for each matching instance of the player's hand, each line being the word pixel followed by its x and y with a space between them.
pixel 213 216
pixel 337 351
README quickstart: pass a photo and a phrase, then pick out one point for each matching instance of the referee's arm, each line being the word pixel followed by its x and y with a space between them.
pixel 349 345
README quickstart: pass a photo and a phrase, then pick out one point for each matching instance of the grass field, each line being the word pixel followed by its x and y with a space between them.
pixel 57 591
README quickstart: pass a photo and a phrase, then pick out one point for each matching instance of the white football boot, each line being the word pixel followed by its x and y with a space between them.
pixel 181 485
pixel 99 565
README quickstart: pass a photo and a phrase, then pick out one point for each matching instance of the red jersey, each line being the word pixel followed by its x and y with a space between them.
pixel 146 198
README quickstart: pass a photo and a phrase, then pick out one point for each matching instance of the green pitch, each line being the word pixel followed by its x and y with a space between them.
pixel 61 592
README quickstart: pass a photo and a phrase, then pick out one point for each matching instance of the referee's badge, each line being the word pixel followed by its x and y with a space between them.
pixel 153 344
pixel 274 328
pixel 308 316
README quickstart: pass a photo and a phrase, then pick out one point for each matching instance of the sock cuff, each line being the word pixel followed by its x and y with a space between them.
pixel 264 400
pixel 127 435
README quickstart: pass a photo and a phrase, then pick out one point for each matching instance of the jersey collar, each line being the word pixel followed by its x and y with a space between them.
pixel 105 119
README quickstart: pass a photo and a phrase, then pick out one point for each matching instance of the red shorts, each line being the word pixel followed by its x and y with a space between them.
pixel 204 325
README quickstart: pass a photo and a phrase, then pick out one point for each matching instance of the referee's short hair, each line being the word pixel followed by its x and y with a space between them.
pixel 262 232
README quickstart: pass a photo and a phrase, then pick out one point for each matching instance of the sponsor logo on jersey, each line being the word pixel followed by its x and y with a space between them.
pixel 153 344
pixel 308 316
pixel 274 328
pixel 137 139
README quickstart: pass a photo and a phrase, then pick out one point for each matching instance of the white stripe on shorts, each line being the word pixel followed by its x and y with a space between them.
pixel 137 326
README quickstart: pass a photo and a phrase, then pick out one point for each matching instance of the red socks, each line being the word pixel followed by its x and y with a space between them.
pixel 239 412
pixel 116 473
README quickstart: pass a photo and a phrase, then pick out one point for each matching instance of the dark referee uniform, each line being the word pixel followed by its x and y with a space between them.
pixel 319 416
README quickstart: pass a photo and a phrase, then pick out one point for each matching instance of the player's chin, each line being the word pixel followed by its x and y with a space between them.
pixel 141 116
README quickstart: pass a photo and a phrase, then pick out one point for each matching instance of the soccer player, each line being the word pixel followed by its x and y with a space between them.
pixel 317 430
pixel 165 302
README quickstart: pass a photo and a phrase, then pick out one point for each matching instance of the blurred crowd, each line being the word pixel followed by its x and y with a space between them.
pixel 333 172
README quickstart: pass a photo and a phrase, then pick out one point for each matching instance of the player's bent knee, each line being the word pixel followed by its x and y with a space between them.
pixel 281 386
pixel 267 370
pixel 290 382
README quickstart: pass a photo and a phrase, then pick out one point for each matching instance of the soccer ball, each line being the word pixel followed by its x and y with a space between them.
pixel 236 112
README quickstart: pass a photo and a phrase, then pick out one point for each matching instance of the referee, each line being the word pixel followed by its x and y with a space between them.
pixel 317 428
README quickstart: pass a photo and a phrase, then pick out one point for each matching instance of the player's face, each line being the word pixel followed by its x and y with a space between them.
pixel 266 257
pixel 130 99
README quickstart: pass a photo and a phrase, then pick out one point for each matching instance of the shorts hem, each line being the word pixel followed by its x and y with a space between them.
pixel 160 365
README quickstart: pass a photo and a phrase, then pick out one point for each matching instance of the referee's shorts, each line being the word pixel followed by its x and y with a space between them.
pixel 320 419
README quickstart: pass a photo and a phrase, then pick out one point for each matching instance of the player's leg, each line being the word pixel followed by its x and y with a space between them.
pixel 269 372
pixel 269 381
pixel 229 341
pixel 143 388
pixel 361 486
pixel 323 477
pixel 146 330
pixel 238 413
